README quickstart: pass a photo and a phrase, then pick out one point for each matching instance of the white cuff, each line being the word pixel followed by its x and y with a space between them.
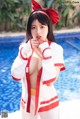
pixel 43 46
pixel 25 48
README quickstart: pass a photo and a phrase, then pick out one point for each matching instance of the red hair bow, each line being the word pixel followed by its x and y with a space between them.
pixel 52 13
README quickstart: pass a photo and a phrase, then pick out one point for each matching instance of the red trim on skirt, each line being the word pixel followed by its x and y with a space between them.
pixel 48 107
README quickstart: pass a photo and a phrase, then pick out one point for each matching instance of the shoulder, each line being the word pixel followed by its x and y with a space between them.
pixel 56 47
pixel 23 44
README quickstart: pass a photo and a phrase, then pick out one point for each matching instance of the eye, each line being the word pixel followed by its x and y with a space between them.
pixel 42 26
pixel 33 27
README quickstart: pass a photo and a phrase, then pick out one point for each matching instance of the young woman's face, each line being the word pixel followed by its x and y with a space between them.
pixel 39 31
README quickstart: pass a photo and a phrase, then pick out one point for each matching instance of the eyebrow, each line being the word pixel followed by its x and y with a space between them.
pixel 40 25
pixel 33 25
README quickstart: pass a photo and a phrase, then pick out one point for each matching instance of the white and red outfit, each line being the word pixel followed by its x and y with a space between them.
pixel 45 100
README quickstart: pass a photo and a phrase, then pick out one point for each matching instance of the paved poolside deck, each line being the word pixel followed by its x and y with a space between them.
pixel 3 34
pixel 68 110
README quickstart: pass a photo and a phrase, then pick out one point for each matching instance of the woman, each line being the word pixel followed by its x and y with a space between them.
pixel 38 64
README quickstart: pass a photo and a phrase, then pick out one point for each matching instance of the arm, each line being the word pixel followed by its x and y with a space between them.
pixel 57 53
pixel 19 64
pixel 57 74
pixel 48 68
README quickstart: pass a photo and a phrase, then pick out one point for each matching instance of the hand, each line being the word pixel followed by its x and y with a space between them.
pixel 42 41
pixel 34 43
pixel 35 46
pixel 38 52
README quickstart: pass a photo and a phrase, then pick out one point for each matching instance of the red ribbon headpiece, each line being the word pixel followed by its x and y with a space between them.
pixel 52 13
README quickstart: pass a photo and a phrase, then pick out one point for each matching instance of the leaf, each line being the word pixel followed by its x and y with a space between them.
pixel 11 16
pixel 49 3
pixel 20 25
pixel 66 11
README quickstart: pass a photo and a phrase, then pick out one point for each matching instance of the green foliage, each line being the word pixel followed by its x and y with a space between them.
pixel 66 10
pixel 13 14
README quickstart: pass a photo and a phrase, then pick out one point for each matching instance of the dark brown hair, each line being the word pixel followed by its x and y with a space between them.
pixel 43 19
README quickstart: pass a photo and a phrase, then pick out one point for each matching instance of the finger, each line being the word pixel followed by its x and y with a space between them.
pixel 37 52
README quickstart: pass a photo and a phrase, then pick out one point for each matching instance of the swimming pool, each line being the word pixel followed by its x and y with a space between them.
pixel 67 85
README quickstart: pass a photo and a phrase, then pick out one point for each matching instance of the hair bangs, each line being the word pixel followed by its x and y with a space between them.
pixel 43 19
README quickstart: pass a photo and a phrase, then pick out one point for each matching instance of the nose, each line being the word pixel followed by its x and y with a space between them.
pixel 38 31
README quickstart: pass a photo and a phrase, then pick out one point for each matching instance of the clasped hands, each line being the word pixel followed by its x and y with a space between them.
pixel 35 46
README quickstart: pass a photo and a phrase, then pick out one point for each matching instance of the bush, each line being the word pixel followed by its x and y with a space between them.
pixel 69 12
pixel 13 14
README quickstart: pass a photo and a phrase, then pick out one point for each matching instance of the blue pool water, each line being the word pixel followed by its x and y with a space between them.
pixel 67 85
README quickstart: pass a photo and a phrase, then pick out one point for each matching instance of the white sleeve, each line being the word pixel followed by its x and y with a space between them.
pixel 57 53
pixel 19 64
pixel 48 68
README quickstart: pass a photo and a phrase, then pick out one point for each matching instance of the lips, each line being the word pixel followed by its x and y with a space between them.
pixel 38 37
